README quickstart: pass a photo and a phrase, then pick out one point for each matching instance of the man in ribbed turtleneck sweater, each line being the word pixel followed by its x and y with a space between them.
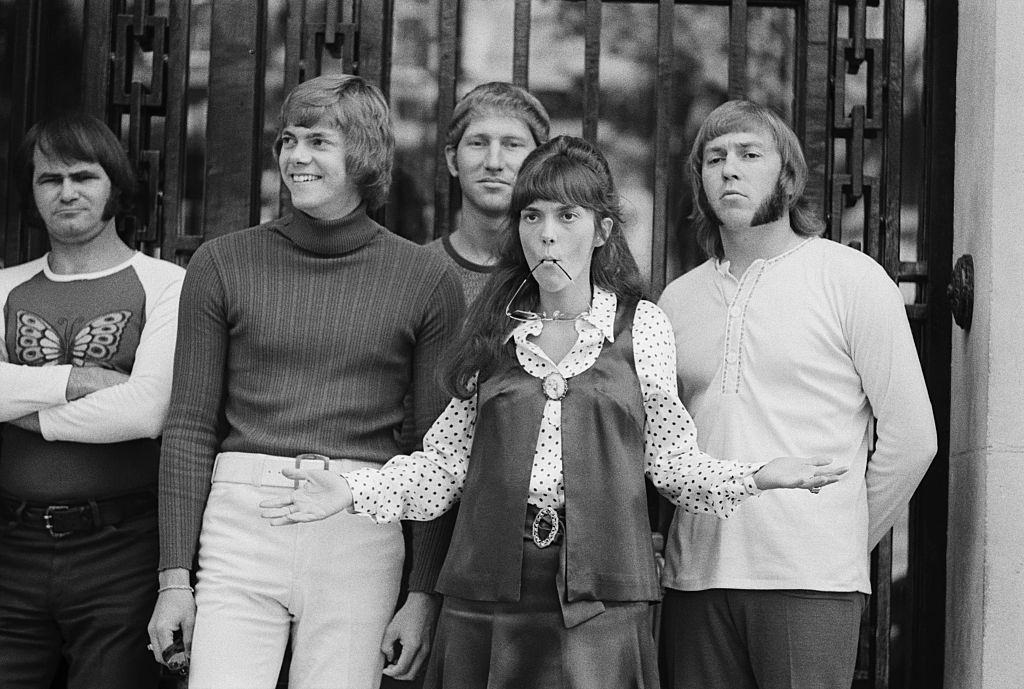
pixel 302 335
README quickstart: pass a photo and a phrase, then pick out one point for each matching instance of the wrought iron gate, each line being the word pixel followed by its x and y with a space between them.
pixel 140 63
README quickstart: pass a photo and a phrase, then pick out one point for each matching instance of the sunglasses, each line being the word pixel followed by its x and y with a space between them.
pixel 524 316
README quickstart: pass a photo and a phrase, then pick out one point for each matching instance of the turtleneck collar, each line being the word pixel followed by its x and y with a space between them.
pixel 329 237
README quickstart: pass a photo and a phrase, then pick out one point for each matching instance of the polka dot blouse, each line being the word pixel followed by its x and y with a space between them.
pixel 424 485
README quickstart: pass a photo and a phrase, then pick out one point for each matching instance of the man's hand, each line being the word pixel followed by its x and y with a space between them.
pixel 798 472
pixel 320 494
pixel 413 628
pixel 175 609
pixel 84 380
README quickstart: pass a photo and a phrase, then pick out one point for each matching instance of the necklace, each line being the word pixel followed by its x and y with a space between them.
pixel 556 315
pixel 528 316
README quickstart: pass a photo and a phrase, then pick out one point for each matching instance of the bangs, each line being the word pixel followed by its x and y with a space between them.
pixel 737 121
pixel 743 116
pixel 68 144
pixel 557 179
pixel 309 115
pixel 739 116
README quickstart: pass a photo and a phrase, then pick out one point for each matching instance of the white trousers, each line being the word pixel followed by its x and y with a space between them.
pixel 329 585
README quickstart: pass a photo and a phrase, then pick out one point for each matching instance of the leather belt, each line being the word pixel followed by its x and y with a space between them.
pixel 62 520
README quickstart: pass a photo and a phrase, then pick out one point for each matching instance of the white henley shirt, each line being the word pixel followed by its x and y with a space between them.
pixel 796 358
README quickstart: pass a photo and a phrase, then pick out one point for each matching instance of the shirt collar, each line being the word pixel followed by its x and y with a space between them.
pixel 601 316
pixel 602 312
pixel 722 264
pixel 329 237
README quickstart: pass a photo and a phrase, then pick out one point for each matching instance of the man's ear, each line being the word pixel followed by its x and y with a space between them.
pixel 787 182
pixel 604 230
pixel 449 156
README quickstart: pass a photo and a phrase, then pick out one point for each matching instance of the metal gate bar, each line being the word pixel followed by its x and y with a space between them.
pixel 738 49
pixel 521 43
pixel 664 98
pixel 892 143
pixel 177 245
pixel 448 21
pixel 814 20
pixel 591 68
pixel 234 124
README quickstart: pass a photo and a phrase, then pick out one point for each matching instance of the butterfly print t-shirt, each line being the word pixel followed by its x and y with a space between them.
pixel 98 320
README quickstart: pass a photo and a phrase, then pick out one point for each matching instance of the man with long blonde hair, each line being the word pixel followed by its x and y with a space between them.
pixel 787 344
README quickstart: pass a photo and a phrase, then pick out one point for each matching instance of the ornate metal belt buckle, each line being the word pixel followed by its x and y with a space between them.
pixel 554 386
pixel 314 457
pixel 551 516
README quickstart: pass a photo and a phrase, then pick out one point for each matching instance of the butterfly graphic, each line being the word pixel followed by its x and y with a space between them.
pixel 40 344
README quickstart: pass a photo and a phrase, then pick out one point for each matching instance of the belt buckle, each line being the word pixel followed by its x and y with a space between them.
pixel 551 515
pixel 311 456
pixel 48 520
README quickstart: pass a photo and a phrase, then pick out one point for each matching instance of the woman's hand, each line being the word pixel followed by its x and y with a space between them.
pixel 810 473
pixel 320 494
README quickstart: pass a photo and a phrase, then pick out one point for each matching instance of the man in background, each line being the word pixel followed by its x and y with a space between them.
pixel 492 130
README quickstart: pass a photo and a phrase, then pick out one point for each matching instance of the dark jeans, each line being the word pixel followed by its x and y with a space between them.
pixel 87 597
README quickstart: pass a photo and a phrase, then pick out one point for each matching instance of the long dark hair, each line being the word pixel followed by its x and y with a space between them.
pixel 568 170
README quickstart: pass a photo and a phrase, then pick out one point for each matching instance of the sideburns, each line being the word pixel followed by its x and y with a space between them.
pixel 113 206
pixel 772 208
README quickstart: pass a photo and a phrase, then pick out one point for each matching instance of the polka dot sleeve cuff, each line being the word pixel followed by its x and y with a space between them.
pixel 424 485
pixel 675 465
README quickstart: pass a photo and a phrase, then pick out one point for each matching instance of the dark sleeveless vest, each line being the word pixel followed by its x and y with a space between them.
pixel 607 545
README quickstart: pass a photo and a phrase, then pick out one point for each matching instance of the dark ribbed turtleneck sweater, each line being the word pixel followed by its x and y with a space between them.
pixel 302 336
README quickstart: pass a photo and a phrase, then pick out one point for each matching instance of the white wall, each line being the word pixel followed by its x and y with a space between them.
pixel 985 562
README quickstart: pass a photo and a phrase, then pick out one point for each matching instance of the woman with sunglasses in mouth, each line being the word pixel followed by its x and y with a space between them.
pixel 565 400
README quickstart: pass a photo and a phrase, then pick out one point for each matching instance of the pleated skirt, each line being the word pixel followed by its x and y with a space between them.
pixel 526 645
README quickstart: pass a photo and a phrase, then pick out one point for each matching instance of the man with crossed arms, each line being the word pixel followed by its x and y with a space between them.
pixel 87 334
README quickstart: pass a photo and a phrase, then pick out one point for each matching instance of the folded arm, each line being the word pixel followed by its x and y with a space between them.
pixel 30 389
pixel 136 406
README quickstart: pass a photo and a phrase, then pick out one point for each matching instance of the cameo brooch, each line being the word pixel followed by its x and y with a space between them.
pixel 554 386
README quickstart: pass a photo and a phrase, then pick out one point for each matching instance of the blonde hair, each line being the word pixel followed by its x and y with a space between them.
pixel 359 111
pixel 499 98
